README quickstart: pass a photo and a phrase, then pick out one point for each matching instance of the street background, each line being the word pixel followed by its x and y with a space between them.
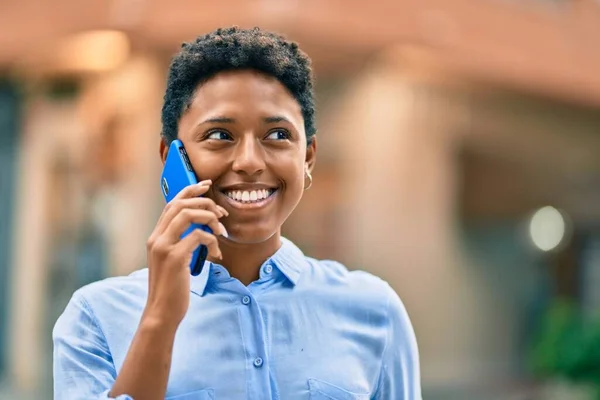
pixel 458 159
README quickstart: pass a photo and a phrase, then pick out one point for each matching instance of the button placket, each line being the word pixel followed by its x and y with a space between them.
pixel 253 330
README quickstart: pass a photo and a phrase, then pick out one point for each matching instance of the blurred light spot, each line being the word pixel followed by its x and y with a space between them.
pixel 93 51
pixel 547 228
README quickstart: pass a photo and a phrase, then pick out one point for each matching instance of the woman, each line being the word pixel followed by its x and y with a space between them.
pixel 262 320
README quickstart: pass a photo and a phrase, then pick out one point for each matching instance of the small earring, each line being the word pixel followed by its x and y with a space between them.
pixel 310 179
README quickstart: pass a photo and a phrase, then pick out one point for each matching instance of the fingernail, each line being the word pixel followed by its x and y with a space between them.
pixel 224 211
pixel 223 230
pixel 220 256
pixel 205 182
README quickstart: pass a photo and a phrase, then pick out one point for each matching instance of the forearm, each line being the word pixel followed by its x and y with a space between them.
pixel 145 371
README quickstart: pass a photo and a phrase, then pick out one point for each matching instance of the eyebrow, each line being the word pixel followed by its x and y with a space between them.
pixel 276 119
pixel 226 120
pixel 218 120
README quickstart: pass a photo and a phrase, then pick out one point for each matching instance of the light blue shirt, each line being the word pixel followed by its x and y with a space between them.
pixel 306 329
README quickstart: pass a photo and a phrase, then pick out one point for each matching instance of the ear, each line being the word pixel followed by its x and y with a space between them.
pixel 311 154
pixel 163 150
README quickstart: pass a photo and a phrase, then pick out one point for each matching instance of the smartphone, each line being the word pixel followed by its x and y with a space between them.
pixel 178 174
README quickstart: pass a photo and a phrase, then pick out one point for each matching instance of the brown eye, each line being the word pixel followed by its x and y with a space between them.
pixel 218 135
pixel 278 134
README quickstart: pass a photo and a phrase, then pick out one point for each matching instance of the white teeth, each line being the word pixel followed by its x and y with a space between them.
pixel 249 196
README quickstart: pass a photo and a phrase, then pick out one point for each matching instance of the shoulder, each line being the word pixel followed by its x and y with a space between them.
pixel 366 293
pixel 106 300
pixel 358 285
pixel 336 273
pixel 115 289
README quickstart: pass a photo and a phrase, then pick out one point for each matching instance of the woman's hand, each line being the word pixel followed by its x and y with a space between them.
pixel 169 256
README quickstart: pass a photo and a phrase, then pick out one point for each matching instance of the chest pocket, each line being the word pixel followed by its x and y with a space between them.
pixel 320 390
pixel 206 394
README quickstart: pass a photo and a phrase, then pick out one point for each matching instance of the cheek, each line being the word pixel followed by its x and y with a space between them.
pixel 206 171
pixel 206 166
pixel 295 178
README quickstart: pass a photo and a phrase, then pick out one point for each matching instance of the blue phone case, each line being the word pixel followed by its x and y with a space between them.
pixel 177 174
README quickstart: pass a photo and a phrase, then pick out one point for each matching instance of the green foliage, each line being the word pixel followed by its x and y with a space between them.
pixel 567 346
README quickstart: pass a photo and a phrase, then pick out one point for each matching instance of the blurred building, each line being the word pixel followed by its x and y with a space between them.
pixel 443 126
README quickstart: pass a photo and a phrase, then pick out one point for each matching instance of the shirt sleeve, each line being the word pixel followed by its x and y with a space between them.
pixel 83 366
pixel 400 376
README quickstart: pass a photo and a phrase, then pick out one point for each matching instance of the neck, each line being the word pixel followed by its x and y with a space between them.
pixel 243 260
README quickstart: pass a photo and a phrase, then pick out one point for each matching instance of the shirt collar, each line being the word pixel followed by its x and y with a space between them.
pixel 198 283
pixel 289 259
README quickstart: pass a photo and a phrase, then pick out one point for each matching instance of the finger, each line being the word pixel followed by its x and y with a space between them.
pixel 195 190
pixel 177 207
pixel 200 203
pixel 189 216
pixel 195 239
pixel 224 211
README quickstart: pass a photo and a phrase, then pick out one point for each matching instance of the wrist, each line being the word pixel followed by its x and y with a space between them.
pixel 156 321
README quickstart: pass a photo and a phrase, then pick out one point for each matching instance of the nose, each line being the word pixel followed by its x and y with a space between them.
pixel 249 157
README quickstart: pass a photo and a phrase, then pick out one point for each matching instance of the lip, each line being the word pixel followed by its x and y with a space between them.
pixel 250 206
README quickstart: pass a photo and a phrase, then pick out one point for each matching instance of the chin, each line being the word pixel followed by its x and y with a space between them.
pixel 250 236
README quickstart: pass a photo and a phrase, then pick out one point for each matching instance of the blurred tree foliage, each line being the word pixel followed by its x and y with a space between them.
pixel 568 347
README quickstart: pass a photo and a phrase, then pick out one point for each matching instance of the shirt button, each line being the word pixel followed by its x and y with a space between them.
pixel 268 269
pixel 258 362
pixel 246 300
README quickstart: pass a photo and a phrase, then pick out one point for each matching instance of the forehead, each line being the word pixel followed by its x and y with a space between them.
pixel 244 92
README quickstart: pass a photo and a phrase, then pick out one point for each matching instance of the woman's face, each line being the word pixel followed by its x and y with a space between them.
pixel 245 132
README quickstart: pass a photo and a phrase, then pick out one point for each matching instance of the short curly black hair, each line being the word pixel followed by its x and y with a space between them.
pixel 234 48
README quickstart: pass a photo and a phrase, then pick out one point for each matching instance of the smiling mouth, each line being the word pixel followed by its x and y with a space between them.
pixel 249 196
